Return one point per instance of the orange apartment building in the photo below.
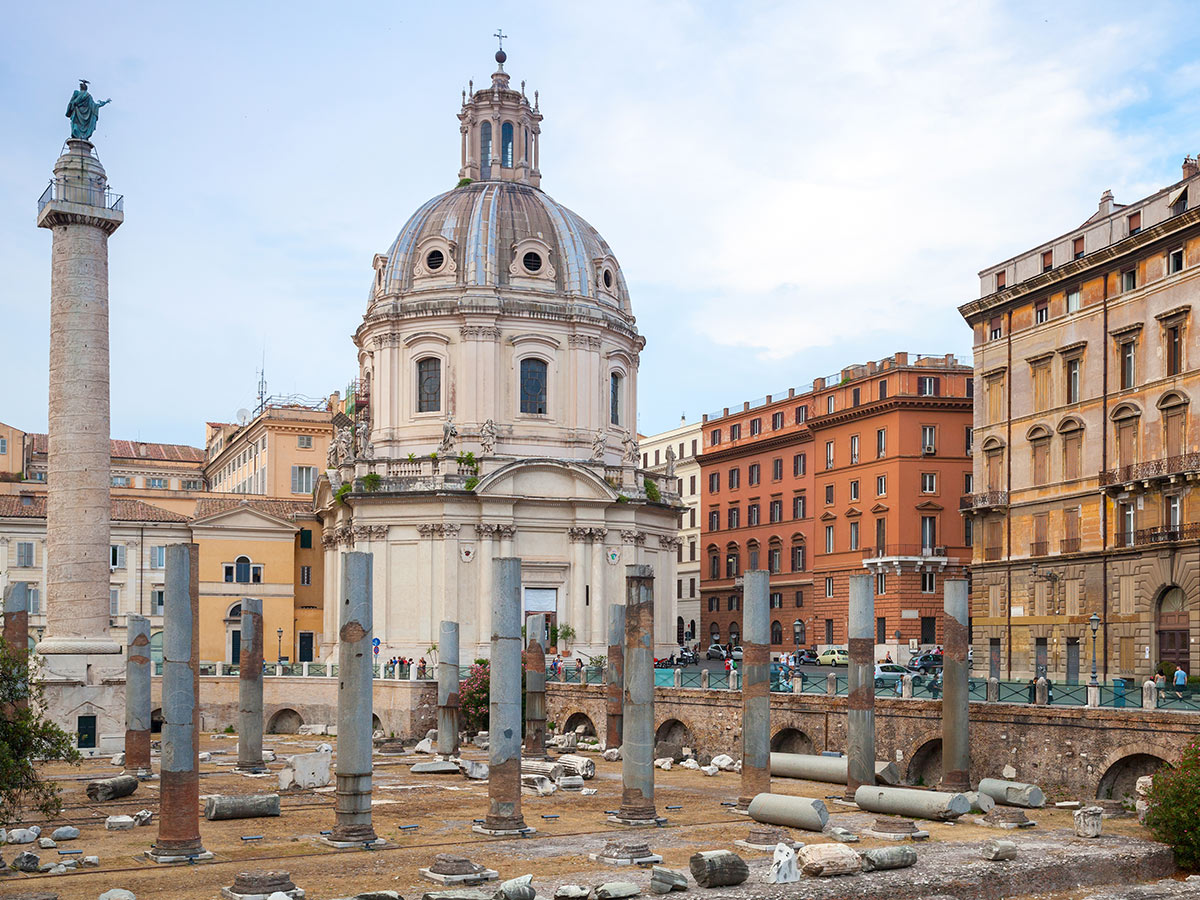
(871, 463)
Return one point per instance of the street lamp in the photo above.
(1094, 621)
(279, 649)
(796, 626)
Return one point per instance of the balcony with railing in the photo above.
(1069, 545)
(1161, 534)
(993, 553)
(1039, 548)
(1152, 470)
(983, 500)
(83, 194)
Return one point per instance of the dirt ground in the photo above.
(1052, 862)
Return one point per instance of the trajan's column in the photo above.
(84, 669)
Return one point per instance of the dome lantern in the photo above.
(500, 132)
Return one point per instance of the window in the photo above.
(692, 521)
(1047, 260)
(1125, 352)
(714, 520)
(968, 482)
(3, 446)
(853, 535)
(883, 390)
(753, 474)
(1172, 512)
(828, 494)
(114, 601)
(1179, 207)
(995, 398)
(929, 386)
(1041, 313)
(485, 149)
(801, 414)
(755, 427)
(880, 583)
(733, 604)
(1129, 280)
(928, 482)
(306, 575)
(856, 397)
(853, 490)
(714, 437)
(776, 421)
(735, 479)
(304, 441)
(881, 629)
(880, 485)
(116, 556)
(734, 517)
(799, 605)
(928, 532)
(995, 330)
(799, 506)
(714, 566)
(158, 557)
(25, 554)
(1073, 380)
(799, 464)
(731, 569)
(194, 484)
(968, 531)
(777, 469)
(776, 628)
(881, 536)
(775, 562)
(928, 439)
(714, 482)
(776, 513)
(1135, 222)
(614, 400)
(692, 589)
(303, 479)
(120, 481)
(429, 385)
(881, 443)
(928, 582)
(828, 538)
(692, 485)
(1040, 375)
(829, 622)
(752, 514)
(735, 431)
(1077, 248)
(1174, 340)
(157, 597)
(506, 145)
(157, 483)
(853, 449)
(798, 560)
(533, 386)
(1001, 280)
(1073, 300)
(829, 454)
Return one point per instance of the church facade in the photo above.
(496, 412)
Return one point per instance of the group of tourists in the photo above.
(397, 664)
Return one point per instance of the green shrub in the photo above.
(1174, 813)
(229, 729)
(463, 182)
(345, 489)
(472, 482)
(652, 492)
(371, 481)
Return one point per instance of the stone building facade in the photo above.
(278, 452)
(1086, 363)
(499, 352)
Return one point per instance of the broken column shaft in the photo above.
(956, 750)
(250, 688)
(179, 791)
(137, 696)
(756, 688)
(860, 705)
(615, 670)
(535, 689)
(504, 706)
(447, 742)
(637, 744)
(352, 823)
(16, 624)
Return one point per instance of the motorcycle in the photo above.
(688, 657)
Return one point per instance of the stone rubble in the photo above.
(65, 833)
(1089, 821)
(142, 817)
(46, 844)
(520, 888)
(571, 892)
(723, 761)
(664, 763)
(830, 859)
(663, 881)
(26, 861)
(888, 858)
(784, 868)
(119, 823)
(612, 754)
(615, 890)
(998, 851)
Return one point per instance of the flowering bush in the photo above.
(1174, 813)
(473, 695)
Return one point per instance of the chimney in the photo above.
(1190, 167)
(1106, 203)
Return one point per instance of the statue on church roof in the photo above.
(487, 437)
(84, 112)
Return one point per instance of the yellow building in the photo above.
(277, 453)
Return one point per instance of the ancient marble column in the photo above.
(82, 663)
(504, 707)
(448, 688)
(615, 672)
(637, 745)
(250, 688)
(179, 790)
(137, 696)
(756, 687)
(860, 704)
(352, 812)
(535, 688)
(956, 673)
(16, 623)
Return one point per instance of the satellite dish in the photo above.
(243, 416)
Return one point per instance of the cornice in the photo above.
(889, 404)
(722, 452)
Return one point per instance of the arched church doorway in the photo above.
(233, 634)
(1173, 631)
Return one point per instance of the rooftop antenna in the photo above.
(243, 416)
(262, 382)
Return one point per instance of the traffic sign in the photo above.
(375, 642)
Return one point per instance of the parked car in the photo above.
(888, 674)
(806, 658)
(737, 652)
(715, 651)
(925, 663)
(833, 656)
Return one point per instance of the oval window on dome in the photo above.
(608, 278)
(532, 261)
(434, 260)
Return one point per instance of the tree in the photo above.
(27, 736)
(1174, 811)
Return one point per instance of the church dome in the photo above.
(502, 235)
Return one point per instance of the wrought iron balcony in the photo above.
(993, 553)
(1152, 469)
(984, 500)
(1039, 548)
(1069, 545)
(1161, 534)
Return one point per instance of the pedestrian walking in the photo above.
(1180, 680)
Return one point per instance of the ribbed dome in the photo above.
(488, 229)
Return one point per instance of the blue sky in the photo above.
(789, 187)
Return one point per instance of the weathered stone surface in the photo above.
(142, 817)
(425, 745)
(724, 762)
(718, 868)
(674, 752)
(574, 764)
(90, 862)
(629, 849)
(538, 784)
(571, 892)
(26, 861)
(242, 806)
(46, 844)
(435, 767)
(570, 783)
(784, 867)
(1005, 817)
(829, 859)
(689, 764)
(1089, 821)
(614, 890)
(888, 858)
(520, 888)
(117, 894)
(663, 881)
(307, 770)
(843, 835)
(450, 864)
(709, 770)
(119, 823)
(476, 771)
(24, 835)
(664, 763)
(65, 833)
(262, 881)
(612, 754)
(999, 851)
(457, 894)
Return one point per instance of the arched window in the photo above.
(714, 633)
(235, 611)
(241, 575)
(679, 633)
(533, 386)
(485, 150)
(691, 631)
(506, 145)
(614, 398)
(776, 633)
(429, 384)
(735, 633)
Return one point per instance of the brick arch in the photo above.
(914, 750)
(675, 729)
(1127, 751)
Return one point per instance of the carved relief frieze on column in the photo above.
(329, 539)
(479, 333)
(632, 536)
(667, 542)
(387, 339)
(506, 532)
(598, 534)
(439, 529)
(378, 532)
(578, 535)
(485, 529)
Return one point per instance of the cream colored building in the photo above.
(1086, 450)
(500, 354)
(683, 464)
(277, 453)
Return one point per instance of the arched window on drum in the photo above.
(506, 145)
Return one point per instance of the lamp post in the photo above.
(796, 626)
(279, 646)
(1094, 621)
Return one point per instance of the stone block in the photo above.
(519, 888)
(724, 762)
(663, 881)
(435, 767)
(888, 858)
(307, 770)
(65, 833)
(571, 892)
(26, 861)
(112, 788)
(718, 868)
(829, 859)
(23, 835)
(999, 851)
(612, 754)
(476, 771)
(46, 844)
(1089, 821)
(784, 867)
(664, 763)
(119, 823)
(615, 890)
